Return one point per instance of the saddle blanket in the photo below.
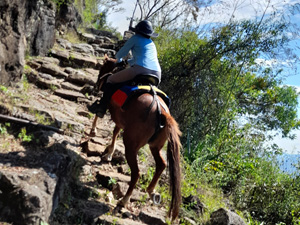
(123, 94)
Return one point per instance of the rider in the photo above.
(144, 62)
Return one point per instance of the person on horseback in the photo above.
(143, 62)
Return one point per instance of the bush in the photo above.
(245, 171)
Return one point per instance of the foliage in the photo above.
(60, 2)
(3, 128)
(72, 37)
(270, 195)
(167, 13)
(25, 83)
(94, 13)
(145, 179)
(235, 163)
(210, 79)
(3, 89)
(23, 135)
(226, 102)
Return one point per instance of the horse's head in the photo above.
(108, 66)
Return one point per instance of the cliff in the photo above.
(27, 28)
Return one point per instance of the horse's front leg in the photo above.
(132, 162)
(111, 148)
(93, 131)
(131, 150)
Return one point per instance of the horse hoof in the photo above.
(121, 203)
(156, 198)
(107, 157)
(93, 133)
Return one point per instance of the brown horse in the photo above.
(139, 123)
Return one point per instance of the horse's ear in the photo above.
(105, 56)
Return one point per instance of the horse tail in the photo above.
(173, 157)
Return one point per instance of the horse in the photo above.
(139, 124)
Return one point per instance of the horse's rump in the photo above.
(139, 113)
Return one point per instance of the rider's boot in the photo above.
(99, 107)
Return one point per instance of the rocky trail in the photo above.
(58, 177)
(51, 171)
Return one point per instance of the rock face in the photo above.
(25, 26)
(68, 17)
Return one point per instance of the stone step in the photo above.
(80, 77)
(153, 215)
(75, 59)
(53, 70)
(68, 94)
(119, 191)
(51, 76)
(107, 178)
(112, 220)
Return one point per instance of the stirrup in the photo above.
(100, 114)
(93, 108)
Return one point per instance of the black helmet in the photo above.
(144, 27)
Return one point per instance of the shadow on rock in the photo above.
(37, 177)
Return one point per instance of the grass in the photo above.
(73, 38)
(8, 142)
(24, 136)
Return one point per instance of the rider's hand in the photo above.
(121, 64)
(112, 60)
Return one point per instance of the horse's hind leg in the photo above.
(111, 148)
(160, 166)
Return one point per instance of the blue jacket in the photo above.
(143, 51)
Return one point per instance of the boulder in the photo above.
(119, 190)
(64, 43)
(107, 179)
(62, 55)
(70, 86)
(153, 215)
(225, 217)
(109, 220)
(33, 181)
(26, 196)
(43, 80)
(193, 203)
(92, 149)
(100, 52)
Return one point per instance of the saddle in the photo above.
(139, 85)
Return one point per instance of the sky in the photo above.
(244, 9)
